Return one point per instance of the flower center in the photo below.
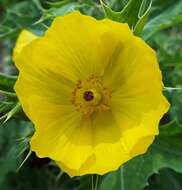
(90, 96)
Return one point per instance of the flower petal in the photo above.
(74, 42)
(108, 149)
(136, 105)
(109, 156)
(24, 39)
(106, 158)
(60, 133)
(138, 138)
(133, 71)
(77, 44)
(39, 80)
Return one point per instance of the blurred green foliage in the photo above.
(160, 168)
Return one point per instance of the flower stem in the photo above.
(95, 182)
(92, 181)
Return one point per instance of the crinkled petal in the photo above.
(132, 142)
(108, 149)
(107, 157)
(138, 138)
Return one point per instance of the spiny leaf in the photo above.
(25, 159)
(143, 16)
(10, 149)
(11, 113)
(57, 11)
(135, 13)
(8, 94)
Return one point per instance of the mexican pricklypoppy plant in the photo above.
(93, 91)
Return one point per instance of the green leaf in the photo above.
(166, 179)
(40, 174)
(165, 152)
(5, 106)
(176, 109)
(170, 17)
(13, 143)
(24, 12)
(29, 178)
(7, 82)
(135, 13)
(8, 94)
(171, 129)
(59, 4)
(85, 183)
(60, 10)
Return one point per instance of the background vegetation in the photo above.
(160, 168)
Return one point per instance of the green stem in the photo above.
(92, 181)
(96, 183)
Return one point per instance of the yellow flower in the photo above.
(93, 91)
